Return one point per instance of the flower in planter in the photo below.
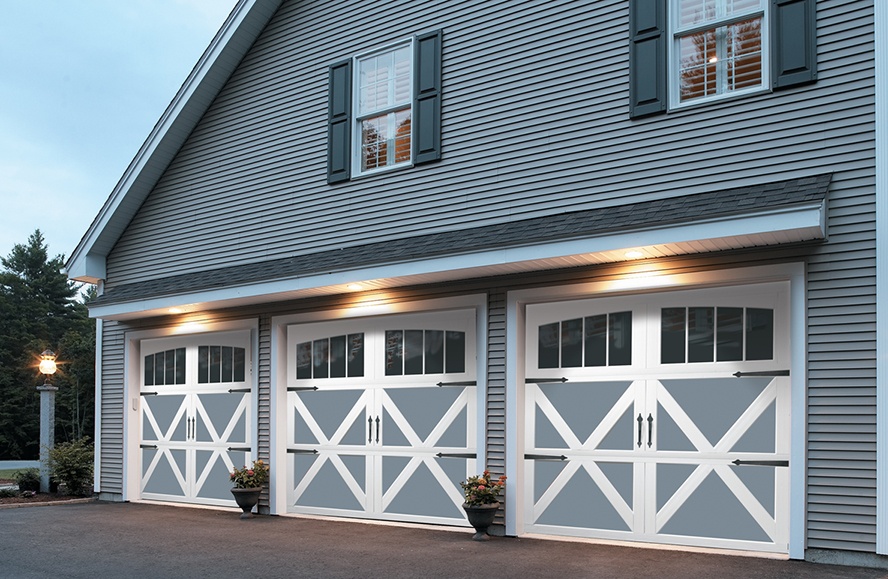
(250, 477)
(481, 489)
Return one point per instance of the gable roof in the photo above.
(779, 212)
(240, 30)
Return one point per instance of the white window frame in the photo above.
(357, 140)
(676, 32)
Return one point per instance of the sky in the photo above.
(83, 82)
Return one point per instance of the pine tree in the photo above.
(39, 309)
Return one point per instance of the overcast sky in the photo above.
(83, 82)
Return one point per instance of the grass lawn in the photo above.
(8, 473)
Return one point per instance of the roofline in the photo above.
(224, 53)
(803, 222)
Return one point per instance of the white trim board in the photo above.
(516, 303)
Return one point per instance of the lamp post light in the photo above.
(47, 416)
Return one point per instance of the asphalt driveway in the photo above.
(107, 540)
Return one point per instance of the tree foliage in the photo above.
(40, 309)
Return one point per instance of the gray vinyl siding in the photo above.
(535, 122)
(263, 404)
(111, 428)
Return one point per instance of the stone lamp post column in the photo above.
(47, 416)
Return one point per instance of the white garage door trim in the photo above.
(635, 282)
(281, 368)
(132, 406)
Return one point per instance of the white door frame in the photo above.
(363, 309)
(132, 474)
(646, 278)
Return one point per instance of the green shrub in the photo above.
(8, 493)
(71, 464)
(28, 479)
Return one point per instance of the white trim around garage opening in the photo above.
(279, 324)
(132, 380)
(794, 273)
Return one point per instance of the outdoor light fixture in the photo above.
(47, 363)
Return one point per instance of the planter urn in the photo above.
(481, 517)
(246, 499)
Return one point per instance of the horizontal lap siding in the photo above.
(841, 493)
(111, 409)
(535, 122)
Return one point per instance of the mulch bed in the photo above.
(39, 498)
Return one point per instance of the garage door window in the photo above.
(220, 364)
(414, 352)
(601, 340)
(333, 357)
(722, 334)
(167, 367)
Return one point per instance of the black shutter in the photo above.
(427, 98)
(339, 123)
(793, 43)
(647, 57)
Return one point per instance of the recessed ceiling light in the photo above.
(175, 310)
(634, 254)
(354, 287)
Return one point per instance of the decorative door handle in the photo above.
(640, 422)
(377, 430)
(650, 430)
(369, 430)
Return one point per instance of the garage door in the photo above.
(382, 416)
(197, 417)
(661, 418)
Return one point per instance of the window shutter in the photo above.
(647, 57)
(339, 123)
(793, 43)
(427, 98)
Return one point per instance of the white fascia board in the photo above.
(805, 222)
(237, 34)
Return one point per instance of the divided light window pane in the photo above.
(413, 352)
(547, 345)
(701, 334)
(596, 340)
(729, 345)
(434, 351)
(759, 334)
(572, 343)
(672, 336)
(337, 357)
(455, 352)
(620, 339)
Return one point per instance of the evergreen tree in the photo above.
(40, 309)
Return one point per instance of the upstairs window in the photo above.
(718, 48)
(705, 50)
(384, 105)
(384, 109)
